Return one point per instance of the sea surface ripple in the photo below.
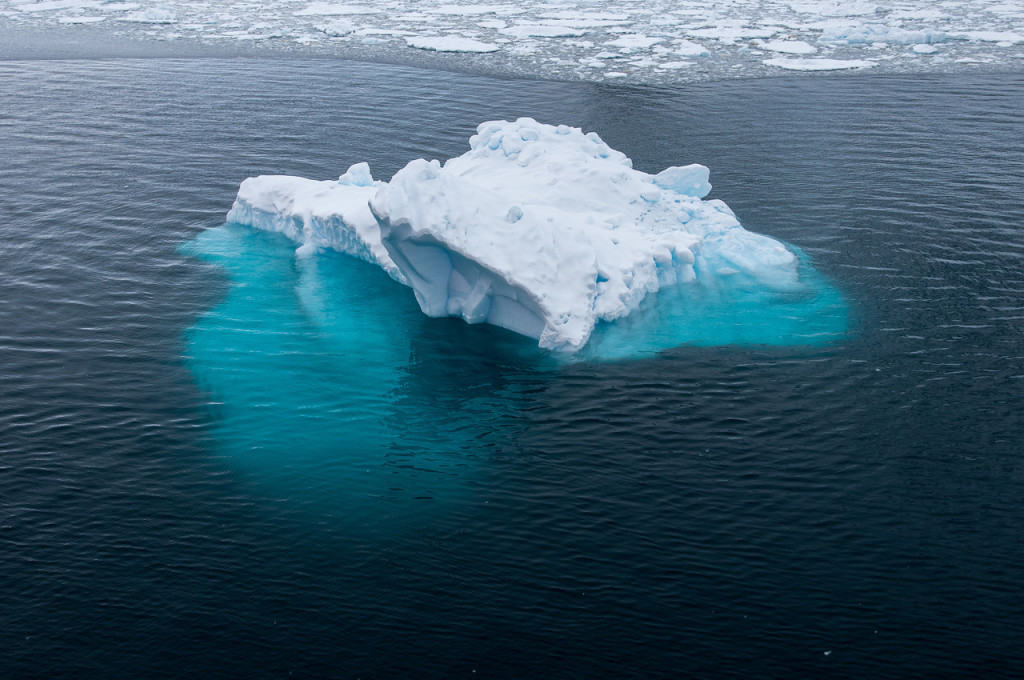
(851, 510)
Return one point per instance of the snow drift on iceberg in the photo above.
(542, 230)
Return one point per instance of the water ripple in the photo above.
(707, 512)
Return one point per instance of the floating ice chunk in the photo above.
(789, 46)
(835, 8)
(337, 27)
(925, 49)
(539, 229)
(470, 10)
(81, 20)
(795, 64)
(995, 36)
(546, 231)
(687, 180)
(330, 9)
(729, 32)
(688, 48)
(155, 15)
(357, 176)
(572, 15)
(450, 43)
(635, 41)
(52, 5)
(675, 65)
(119, 6)
(542, 31)
(873, 32)
(317, 214)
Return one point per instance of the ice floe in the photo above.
(811, 64)
(570, 38)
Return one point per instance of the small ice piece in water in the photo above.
(542, 31)
(688, 48)
(330, 9)
(337, 27)
(450, 43)
(813, 64)
(789, 46)
(688, 180)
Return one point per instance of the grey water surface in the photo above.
(198, 479)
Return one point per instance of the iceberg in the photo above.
(317, 214)
(543, 230)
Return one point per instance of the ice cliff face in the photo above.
(542, 230)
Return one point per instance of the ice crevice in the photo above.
(540, 229)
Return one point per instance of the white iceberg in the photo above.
(542, 230)
(317, 214)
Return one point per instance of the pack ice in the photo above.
(539, 229)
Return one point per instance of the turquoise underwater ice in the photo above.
(324, 375)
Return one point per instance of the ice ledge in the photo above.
(317, 214)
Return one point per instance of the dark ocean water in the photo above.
(231, 465)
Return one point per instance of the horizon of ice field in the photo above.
(649, 42)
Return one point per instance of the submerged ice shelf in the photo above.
(543, 230)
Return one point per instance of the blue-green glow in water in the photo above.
(325, 374)
(323, 377)
(718, 312)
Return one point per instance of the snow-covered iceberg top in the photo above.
(540, 229)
